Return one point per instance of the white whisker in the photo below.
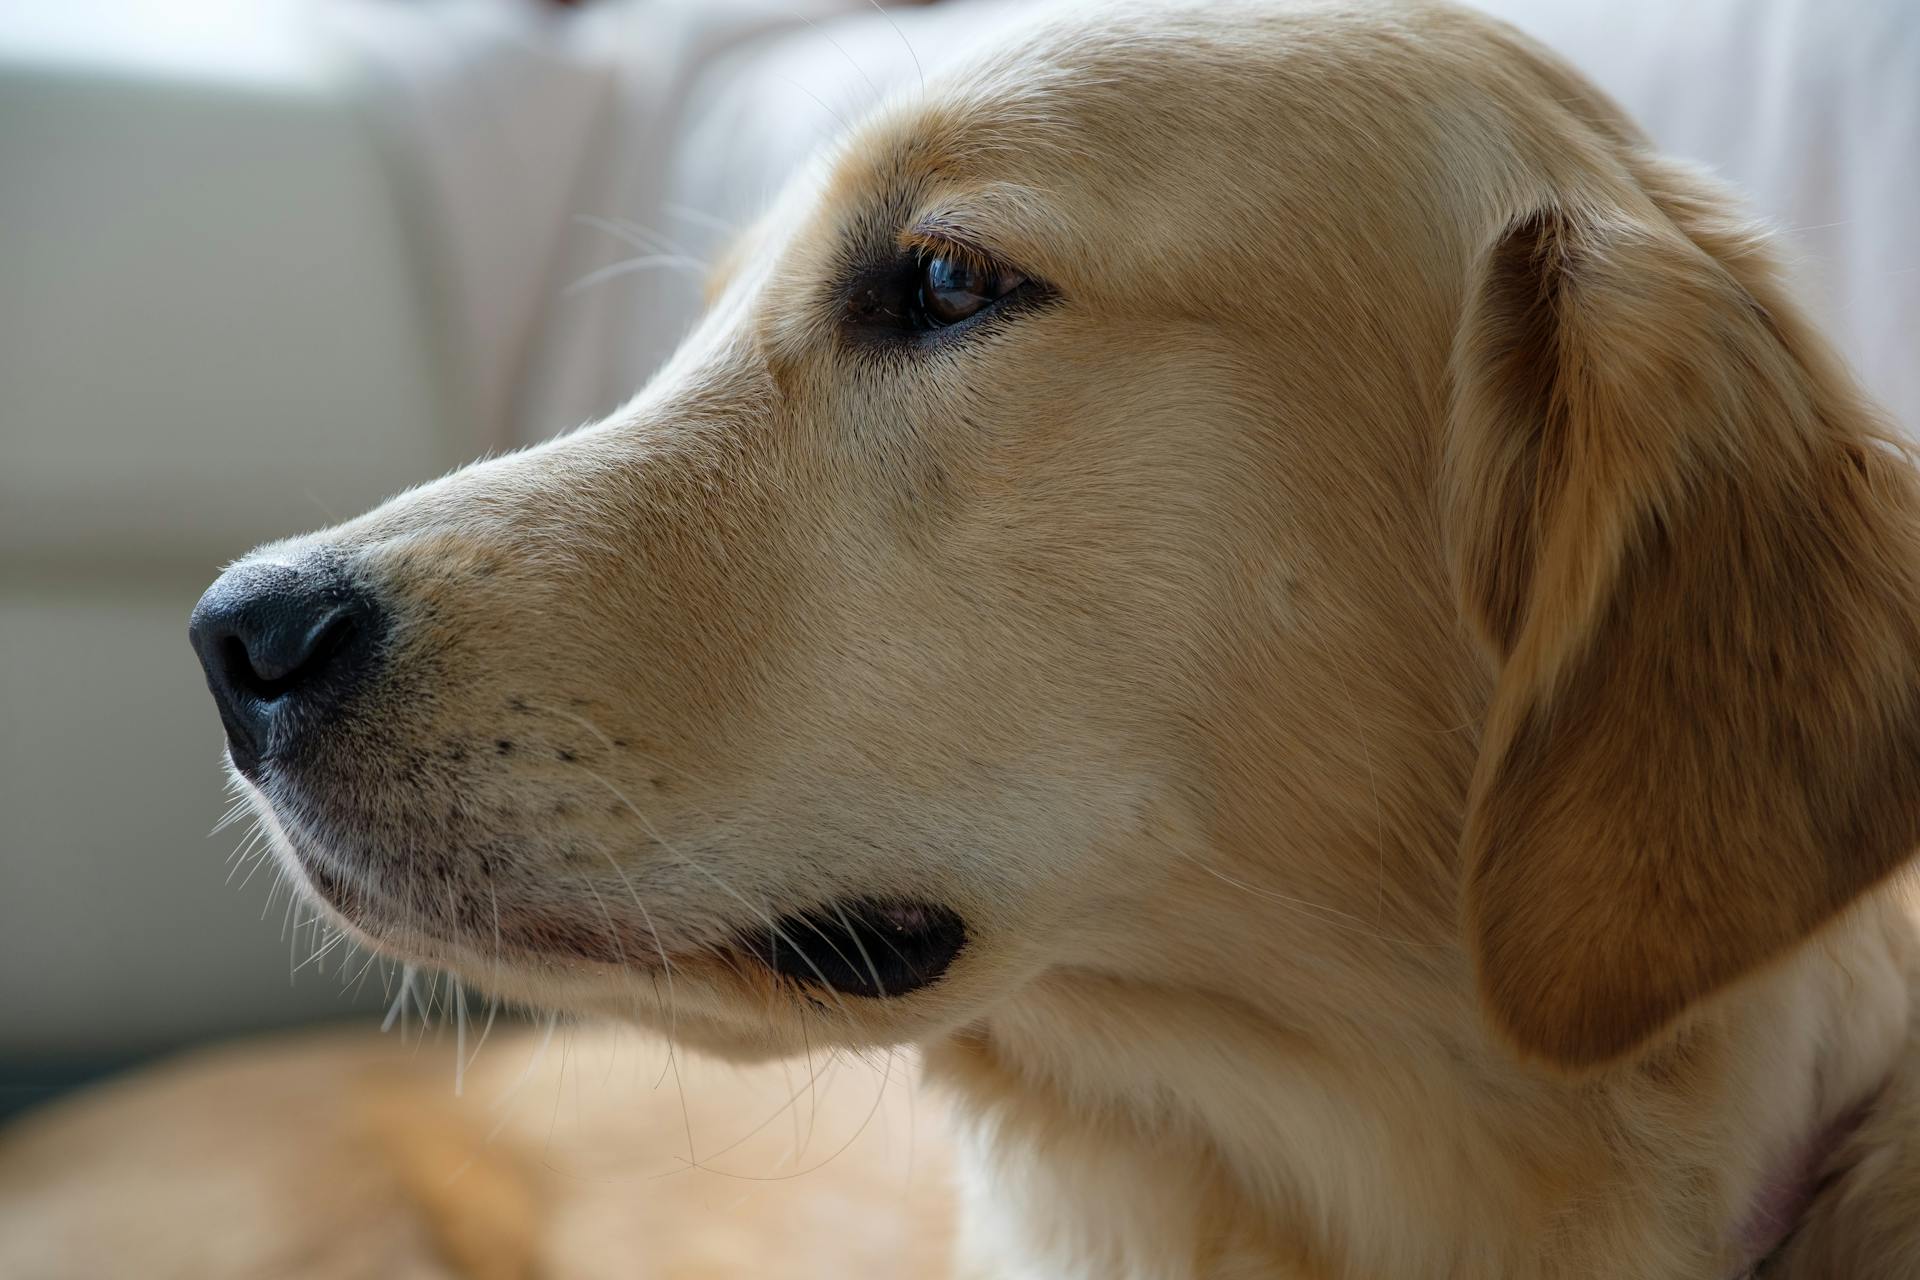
(917, 68)
(699, 217)
(459, 1038)
(645, 262)
(398, 1009)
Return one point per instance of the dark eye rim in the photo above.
(883, 303)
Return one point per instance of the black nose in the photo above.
(283, 646)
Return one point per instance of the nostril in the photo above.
(280, 660)
(237, 666)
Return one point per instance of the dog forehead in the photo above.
(1154, 125)
(1207, 161)
(1137, 74)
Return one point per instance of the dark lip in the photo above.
(873, 948)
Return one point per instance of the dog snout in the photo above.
(283, 646)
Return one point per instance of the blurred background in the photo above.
(264, 262)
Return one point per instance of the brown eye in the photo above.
(951, 289)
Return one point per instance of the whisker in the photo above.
(459, 1037)
(232, 815)
(841, 50)
(398, 1009)
(263, 857)
(359, 979)
(873, 970)
(249, 853)
(879, 1096)
(765, 915)
(321, 953)
(644, 238)
(837, 117)
(775, 1115)
(699, 217)
(502, 1103)
(628, 266)
(493, 1001)
(813, 1094)
(917, 68)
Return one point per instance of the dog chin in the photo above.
(681, 1003)
(725, 1006)
(849, 972)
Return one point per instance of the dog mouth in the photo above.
(868, 948)
(864, 947)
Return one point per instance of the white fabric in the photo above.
(509, 124)
(743, 116)
(485, 110)
(1812, 108)
(715, 106)
(263, 262)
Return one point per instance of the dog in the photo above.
(559, 1153)
(1267, 584)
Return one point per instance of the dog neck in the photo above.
(1786, 1196)
(1119, 1126)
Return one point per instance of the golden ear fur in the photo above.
(1692, 557)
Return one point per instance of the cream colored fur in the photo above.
(1404, 663)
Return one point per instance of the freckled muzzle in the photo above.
(494, 737)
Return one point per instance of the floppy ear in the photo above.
(1692, 559)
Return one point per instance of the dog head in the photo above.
(1212, 460)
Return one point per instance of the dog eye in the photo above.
(953, 288)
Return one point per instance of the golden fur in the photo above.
(344, 1155)
(1406, 662)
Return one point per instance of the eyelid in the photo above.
(942, 241)
(882, 296)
